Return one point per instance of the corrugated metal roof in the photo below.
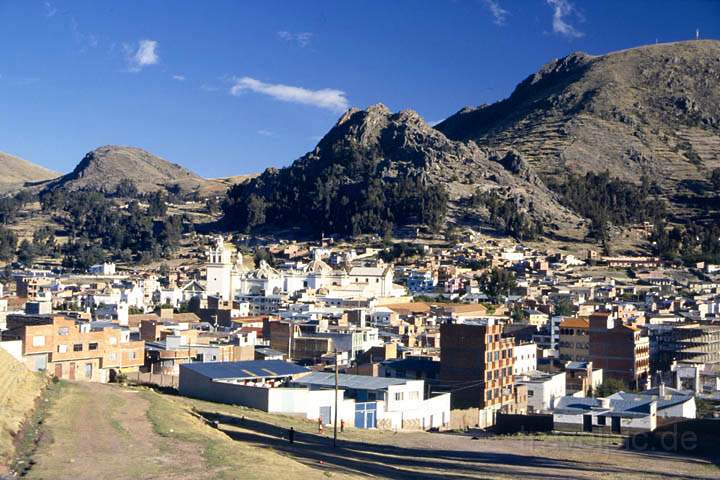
(354, 382)
(245, 370)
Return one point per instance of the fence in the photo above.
(512, 423)
(149, 378)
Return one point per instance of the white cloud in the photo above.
(561, 10)
(266, 133)
(179, 78)
(327, 98)
(301, 38)
(50, 10)
(497, 11)
(144, 55)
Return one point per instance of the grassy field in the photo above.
(93, 431)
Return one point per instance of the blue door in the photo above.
(365, 415)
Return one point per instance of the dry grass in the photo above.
(19, 389)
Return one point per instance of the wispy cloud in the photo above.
(561, 10)
(327, 98)
(179, 78)
(266, 133)
(144, 55)
(497, 11)
(302, 39)
(50, 9)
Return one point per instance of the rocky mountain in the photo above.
(376, 168)
(652, 110)
(105, 167)
(648, 116)
(16, 172)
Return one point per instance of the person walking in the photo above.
(291, 435)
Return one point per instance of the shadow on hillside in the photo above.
(399, 462)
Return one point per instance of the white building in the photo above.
(544, 389)
(525, 358)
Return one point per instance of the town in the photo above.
(471, 335)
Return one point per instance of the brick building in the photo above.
(477, 364)
(620, 350)
(77, 350)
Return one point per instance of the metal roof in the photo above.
(245, 370)
(350, 382)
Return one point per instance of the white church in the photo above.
(228, 278)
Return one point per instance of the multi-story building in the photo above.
(620, 350)
(683, 343)
(76, 350)
(478, 364)
(525, 358)
(574, 344)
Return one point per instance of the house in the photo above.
(574, 344)
(282, 387)
(543, 389)
(388, 403)
(671, 403)
(605, 415)
(78, 350)
(619, 349)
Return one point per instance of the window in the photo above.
(489, 375)
(489, 395)
(92, 346)
(413, 395)
(132, 355)
(490, 338)
(398, 396)
(62, 348)
(601, 420)
(530, 393)
(63, 331)
(112, 356)
(77, 347)
(38, 341)
(112, 340)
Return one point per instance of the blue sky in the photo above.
(231, 87)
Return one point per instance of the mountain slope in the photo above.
(16, 172)
(105, 167)
(376, 168)
(652, 110)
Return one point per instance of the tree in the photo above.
(715, 179)
(610, 386)
(26, 252)
(564, 308)
(8, 242)
(126, 188)
(497, 283)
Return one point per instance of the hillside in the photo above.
(652, 110)
(16, 172)
(105, 167)
(19, 388)
(376, 169)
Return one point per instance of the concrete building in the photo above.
(605, 415)
(524, 358)
(543, 389)
(683, 343)
(574, 344)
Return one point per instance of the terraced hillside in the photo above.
(652, 110)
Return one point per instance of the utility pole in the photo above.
(335, 421)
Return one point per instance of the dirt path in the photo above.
(94, 431)
(103, 432)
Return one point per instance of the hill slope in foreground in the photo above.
(16, 172)
(19, 388)
(96, 431)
